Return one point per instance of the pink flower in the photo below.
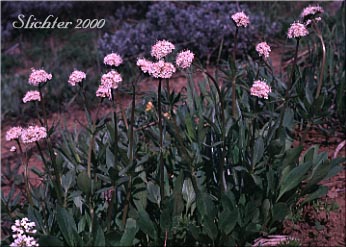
(113, 59)
(76, 77)
(39, 76)
(13, 149)
(162, 69)
(32, 96)
(311, 11)
(241, 19)
(161, 49)
(297, 30)
(20, 230)
(103, 92)
(111, 79)
(260, 89)
(144, 64)
(13, 133)
(33, 134)
(263, 49)
(184, 59)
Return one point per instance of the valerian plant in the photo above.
(212, 166)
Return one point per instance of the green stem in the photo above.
(234, 90)
(289, 84)
(26, 173)
(131, 153)
(127, 201)
(320, 82)
(51, 152)
(222, 181)
(254, 132)
(162, 172)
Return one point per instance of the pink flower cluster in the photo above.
(33, 134)
(184, 59)
(144, 64)
(263, 49)
(104, 92)
(39, 76)
(113, 59)
(20, 230)
(32, 96)
(241, 19)
(108, 81)
(76, 77)
(297, 30)
(111, 79)
(311, 11)
(161, 49)
(162, 69)
(13, 133)
(260, 89)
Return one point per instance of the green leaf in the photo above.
(98, 235)
(50, 241)
(288, 118)
(84, 182)
(209, 227)
(280, 211)
(205, 205)
(67, 227)
(228, 220)
(130, 232)
(292, 156)
(318, 173)
(321, 191)
(265, 208)
(293, 178)
(188, 192)
(177, 195)
(153, 193)
(258, 151)
(146, 224)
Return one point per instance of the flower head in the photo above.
(113, 59)
(161, 49)
(162, 69)
(260, 89)
(13, 149)
(76, 77)
(311, 11)
(32, 96)
(13, 133)
(241, 19)
(144, 64)
(104, 92)
(39, 76)
(297, 30)
(33, 134)
(20, 229)
(184, 59)
(111, 79)
(263, 49)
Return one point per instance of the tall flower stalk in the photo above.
(240, 19)
(39, 78)
(162, 167)
(131, 156)
(320, 81)
(296, 31)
